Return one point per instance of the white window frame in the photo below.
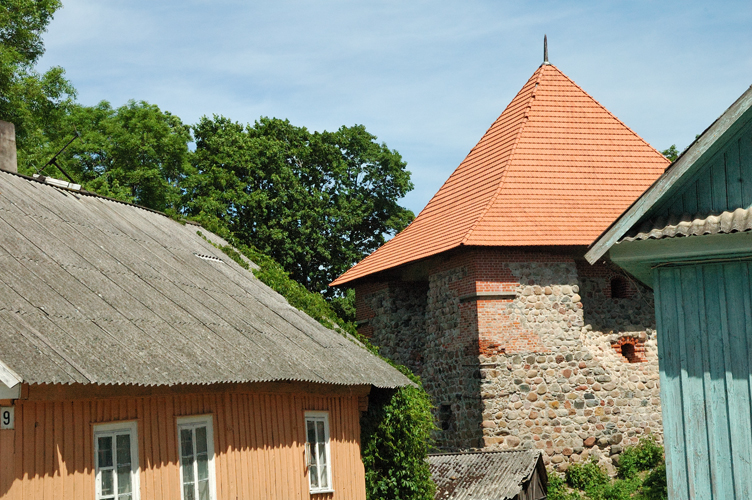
(191, 423)
(319, 416)
(112, 429)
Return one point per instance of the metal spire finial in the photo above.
(545, 50)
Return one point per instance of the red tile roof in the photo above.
(556, 168)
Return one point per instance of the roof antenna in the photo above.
(545, 50)
(53, 160)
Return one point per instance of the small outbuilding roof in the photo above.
(556, 168)
(488, 475)
(95, 291)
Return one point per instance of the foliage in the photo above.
(671, 153)
(396, 433)
(396, 429)
(655, 485)
(585, 476)
(642, 474)
(34, 102)
(557, 489)
(315, 202)
(645, 456)
(135, 153)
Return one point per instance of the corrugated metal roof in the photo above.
(556, 168)
(486, 475)
(739, 220)
(97, 291)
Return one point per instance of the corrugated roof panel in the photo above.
(96, 291)
(489, 475)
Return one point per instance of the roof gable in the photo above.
(97, 291)
(712, 177)
(554, 169)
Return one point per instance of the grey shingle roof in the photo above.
(740, 220)
(489, 475)
(96, 291)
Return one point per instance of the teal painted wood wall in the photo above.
(722, 183)
(704, 320)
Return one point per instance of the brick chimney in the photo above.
(8, 159)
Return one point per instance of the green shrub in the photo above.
(557, 489)
(586, 476)
(645, 456)
(655, 486)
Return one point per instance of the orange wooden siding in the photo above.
(259, 442)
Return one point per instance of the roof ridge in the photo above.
(606, 110)
(525, 119)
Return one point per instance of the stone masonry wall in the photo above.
(540, 365)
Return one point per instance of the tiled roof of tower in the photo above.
(556, 168)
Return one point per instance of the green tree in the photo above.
(671, 153)
(316, 202)
(135, 153)
(34, 102)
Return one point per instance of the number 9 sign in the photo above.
(6, 417)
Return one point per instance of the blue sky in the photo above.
(427, 78)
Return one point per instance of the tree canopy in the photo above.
(316, 202)
(34, 102)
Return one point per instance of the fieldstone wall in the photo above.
(538, 366)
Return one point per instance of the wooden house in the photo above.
(689, 237)
(138, 361)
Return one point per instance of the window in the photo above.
(318, 457)
(116, 461)
(196, 442)
(619, 288)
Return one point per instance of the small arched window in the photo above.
(619, 287)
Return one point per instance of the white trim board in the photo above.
(8, 376)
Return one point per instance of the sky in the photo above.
(427, 78)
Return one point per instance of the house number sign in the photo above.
(6, 417)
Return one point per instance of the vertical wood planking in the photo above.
(745, 165)
(259, 445)
(693, 408)
(738, 372)
(733, 175)
(670, 370)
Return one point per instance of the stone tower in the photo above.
(487, 297)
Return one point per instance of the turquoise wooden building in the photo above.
(689, 237)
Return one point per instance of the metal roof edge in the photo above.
(673, 173)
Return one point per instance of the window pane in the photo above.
(203, 490)
(200, 440)
(324, 477)
(314, 476)
(202, 461)
(320, 431)
(188, 470)
(125, 497)
(124, 479)
(124, 450)
(311, 432)
(105, 451)
(186, 443)
(322, 454)
(108, 488)
(188, 492)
